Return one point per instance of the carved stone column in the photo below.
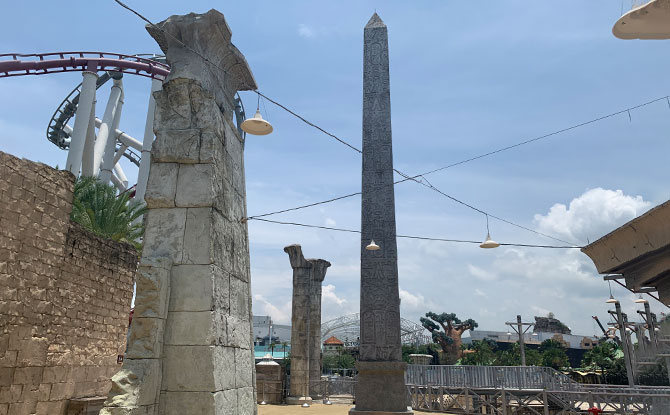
(190, 349)
(308, 274)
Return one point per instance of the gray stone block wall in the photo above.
(190, 348)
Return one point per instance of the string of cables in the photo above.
(419, 178)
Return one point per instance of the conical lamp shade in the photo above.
(372, 246)
(256, 125)
(640, 300)
(611, 300)
(489, 243)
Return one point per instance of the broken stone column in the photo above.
(190, 349)
(308, 274)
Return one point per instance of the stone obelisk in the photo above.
(381, 382)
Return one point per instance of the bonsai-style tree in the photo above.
(447, 330)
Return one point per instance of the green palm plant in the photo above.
(98, 208)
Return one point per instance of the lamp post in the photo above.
(518, 327)
(650, 320)
(625, 339)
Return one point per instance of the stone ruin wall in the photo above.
(64, 294)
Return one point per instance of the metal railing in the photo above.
(505, 401)
(510, 377)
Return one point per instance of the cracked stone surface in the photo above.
(190, 349)
(308, 274)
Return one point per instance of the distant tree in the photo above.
(447, 330)
(512, 356)
(553, 354)
(342, 361)
(480, 353)
(601, 357)
(97, 207)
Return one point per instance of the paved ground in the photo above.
(315, 409)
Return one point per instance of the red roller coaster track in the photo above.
(14, 64)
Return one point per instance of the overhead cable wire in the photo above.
(424, 238)
(499, 150)
(406, 177)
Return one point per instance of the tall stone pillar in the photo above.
(190, 349)
(381, 383)
(308, 274)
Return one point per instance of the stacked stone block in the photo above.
(190, 348)
(308, 276)
(64, 294)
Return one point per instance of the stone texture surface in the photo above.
(191, 352)
(64, 294)
(378, 389)
(308, 274)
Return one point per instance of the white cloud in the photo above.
(330, 222)
(591, 215)
(481, 274)
(407, 299)
(281, 314)
(305, 31)
(328, 295)
(480, 293)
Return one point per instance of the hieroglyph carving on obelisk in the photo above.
(381, 384)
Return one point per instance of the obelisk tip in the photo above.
(375, 21)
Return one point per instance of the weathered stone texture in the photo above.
(193, 285)
(381, 383)
(308, 274)
(64, 294)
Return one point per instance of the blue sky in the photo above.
(466, 78)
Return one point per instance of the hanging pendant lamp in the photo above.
(372, 246)
(640, 300)
(488, 243)
(256, 125)
(612, 300)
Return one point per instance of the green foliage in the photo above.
(656, 375)
(342, 361)
(98, 208)
(553, 354)
(512, 356)
(601, 357)
(482, 353)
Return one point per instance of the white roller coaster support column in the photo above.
(118, 184)
(143, 173)
(81, 121)
(118, 170)
(119, 153)
(122, 137)
(87, 157)
(108, 158)
(101, 143)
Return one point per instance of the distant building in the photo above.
(264, 330)
(575, 345)
(332, 346)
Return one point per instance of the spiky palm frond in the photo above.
(97, 207)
